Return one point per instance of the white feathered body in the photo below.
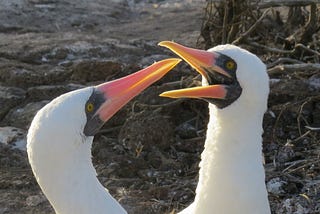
(61, 158)
(231, 176)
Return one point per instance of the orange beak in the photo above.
(119, 92)
(203, 62)
(198, 59)
(211, 91)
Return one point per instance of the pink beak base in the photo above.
(119, 92)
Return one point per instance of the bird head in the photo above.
(106, 99)
(60, 138)
(78, 114)
(230, 75)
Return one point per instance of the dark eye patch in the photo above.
(94, 102)
(94, 123)
(226, 63)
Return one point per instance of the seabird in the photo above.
(236, 86)
(60, 137)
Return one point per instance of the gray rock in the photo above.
(13, 136)
(32, 76)
(186, 131)
(148, 60)
(22, 117)
(35, 200)
(93, 70)
(50, 15)
(48, 92)
(143, 132)
(9, 98)
(292, 205)
(79, 50)
(276, 186)
(286, 153)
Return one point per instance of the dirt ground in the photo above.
(147, 155)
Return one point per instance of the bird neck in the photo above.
(69, 181)
(231, 163)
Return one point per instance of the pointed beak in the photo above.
(202, 61)
(119, 92)
(211, 91)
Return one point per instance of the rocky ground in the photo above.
(147, 155)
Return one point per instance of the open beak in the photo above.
(200, 60)
(204, 62)
(119, 92)
(205, 92)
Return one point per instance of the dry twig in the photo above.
(290, 3)
(251, 29)
(294, 67)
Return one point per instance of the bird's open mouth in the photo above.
(219, 71)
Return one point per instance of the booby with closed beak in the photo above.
(60, 137)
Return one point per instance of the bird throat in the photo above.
(231, 176)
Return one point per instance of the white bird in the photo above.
(236, 85)
(60, 137)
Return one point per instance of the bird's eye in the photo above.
(230, 65)
(90, 107)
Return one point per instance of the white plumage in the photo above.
(60, 138)
(60, 156)
(231, 176)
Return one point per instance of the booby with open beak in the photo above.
(60, 137)
(236, 86)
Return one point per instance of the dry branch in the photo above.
(312, 128)
(280, 3)
(290, 3)
(283, 60)
(294, 67)
(307, 49)
(270, 49)
(251, 29)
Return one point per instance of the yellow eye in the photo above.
(230, 65)
(90, 107)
